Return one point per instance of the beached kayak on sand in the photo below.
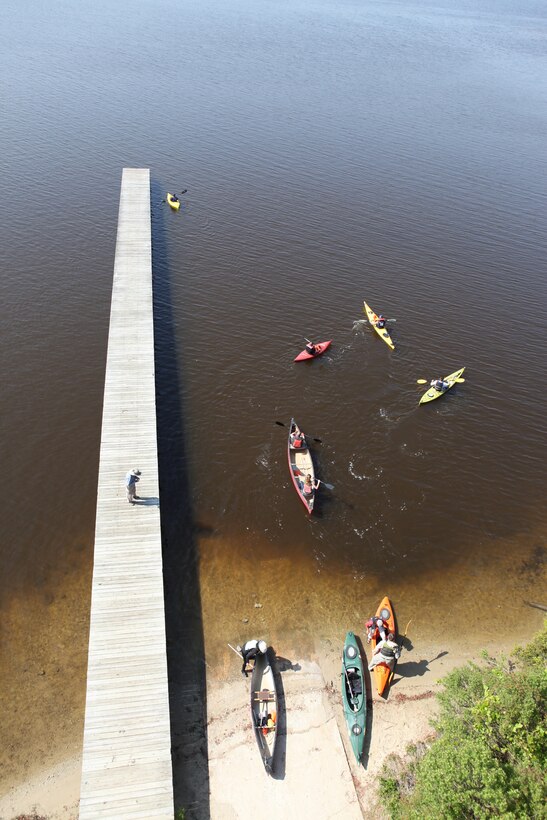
(382, 672)
(354, 695)
(381, 331)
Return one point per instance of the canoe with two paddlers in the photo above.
(354, 698)
(381, 331)
(301, 466)
(433, 393)
(264, 708)
(382, 671)
(318, 350)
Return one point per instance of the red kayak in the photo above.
(320, 348)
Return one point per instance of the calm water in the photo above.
(333, 152)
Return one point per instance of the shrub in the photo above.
(488, 756)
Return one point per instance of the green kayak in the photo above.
(354, 698)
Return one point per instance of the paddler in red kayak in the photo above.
(311, 349)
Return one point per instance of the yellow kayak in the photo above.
(432, 393)
(381, 331)
(173, 201)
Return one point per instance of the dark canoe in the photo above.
(301, 465)
(382, 672)
(354, 698)
(264, 708)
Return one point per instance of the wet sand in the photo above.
(316, 771)
(302, 612)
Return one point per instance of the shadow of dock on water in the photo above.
(184, 627)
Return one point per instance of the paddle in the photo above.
(401, 647)
(424, 381)
(349, 685)
(183, 192)
(239, 655)
(318, 440)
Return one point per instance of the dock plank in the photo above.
(126, 766)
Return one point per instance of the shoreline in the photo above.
(316, 733)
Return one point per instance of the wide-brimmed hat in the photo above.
(136, 472)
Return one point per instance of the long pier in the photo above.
(126, 768)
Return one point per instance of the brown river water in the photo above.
(333, 152)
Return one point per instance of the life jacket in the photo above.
(387, 651)
(297, 442)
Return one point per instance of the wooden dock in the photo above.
(126, 768)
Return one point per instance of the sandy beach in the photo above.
(316, 773)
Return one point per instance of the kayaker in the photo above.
(376, 628)
(310, 485)
(440, 385)
(297, 439)
(380, 321)
(174, 198)
(311, 349)
(250, 651)
(386, 652)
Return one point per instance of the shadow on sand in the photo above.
(279, 762)
(414, 669)
(184, 627)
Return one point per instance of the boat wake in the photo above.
(263, 459)
(352, 471)
(417, 454)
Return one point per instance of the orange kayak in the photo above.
(382, 672)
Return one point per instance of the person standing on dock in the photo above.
(131, 485)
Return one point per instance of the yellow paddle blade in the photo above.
(460, 381)
(421, 381)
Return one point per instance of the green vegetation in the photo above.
(488, 756)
